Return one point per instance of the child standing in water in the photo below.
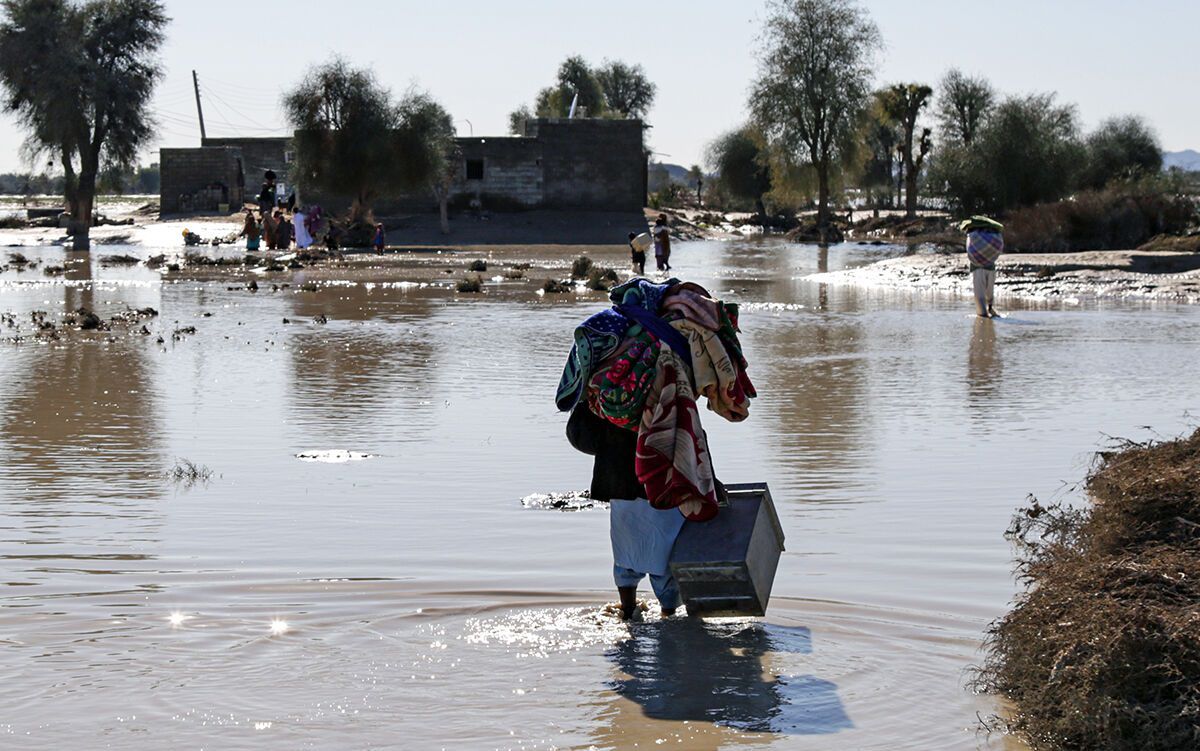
(638, 245)
(380, 239)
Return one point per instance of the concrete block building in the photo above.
(558, 163)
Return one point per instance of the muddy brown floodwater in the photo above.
(359, 571)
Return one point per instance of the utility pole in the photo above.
(199, 111)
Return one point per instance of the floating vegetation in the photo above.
(188, 472)
(478, 265)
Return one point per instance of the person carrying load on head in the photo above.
(985, 243)
(638, 245)
(631, 383)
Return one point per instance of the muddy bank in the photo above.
(1116, 274)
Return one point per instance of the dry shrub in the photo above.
(580, 267)
(601, 278)
(1117, 218)
(1102, 650)
(1188, 244)
(470, 284)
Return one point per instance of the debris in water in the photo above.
(333, 456)
(188, 472)
(575, 500)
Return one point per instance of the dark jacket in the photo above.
(613, 474)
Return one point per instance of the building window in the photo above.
(474, 169)
(289, 157)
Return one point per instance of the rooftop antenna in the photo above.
(199, 111)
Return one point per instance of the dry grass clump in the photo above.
(1102, 650)
(470, 284)
(580, 267)
(601, 278)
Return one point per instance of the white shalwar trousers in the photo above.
(984, 281)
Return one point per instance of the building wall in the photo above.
(512, 171)
(189, 172)
(259, 155)
(591, 164)
(569, 164)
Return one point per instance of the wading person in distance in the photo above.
(283, 232)
(985, 243)
(662, 243)
(638, 245)
(380, 239)
(250, 231)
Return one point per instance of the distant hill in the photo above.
(677, 172)
(1187, 160)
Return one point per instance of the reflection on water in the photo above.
(984, 366)
(83, 463)
(715, 672)
(896, 431)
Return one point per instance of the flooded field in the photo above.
(359, 571)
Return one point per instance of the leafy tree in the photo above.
(517, 118)
(345, 125)
(903, 103)
(696, 175)
(879, 138)
(574, 76)
(1028, 151)
(963, 105)
(814, 81)
(1121, 148)
(79, 76)
(740, 160)
(426, 139)
(627, 90)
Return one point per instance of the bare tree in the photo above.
(814, 81)
(963, 105)
(903, 103)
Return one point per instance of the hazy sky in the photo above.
(483, 58)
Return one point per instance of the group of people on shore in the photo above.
(660, 237)
(280, 224)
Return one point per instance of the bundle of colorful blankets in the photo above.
(642, 364)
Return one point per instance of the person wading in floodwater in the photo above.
(638, 245)
(662, 243)
(250, 231)
(631, 384)
(985, 243)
